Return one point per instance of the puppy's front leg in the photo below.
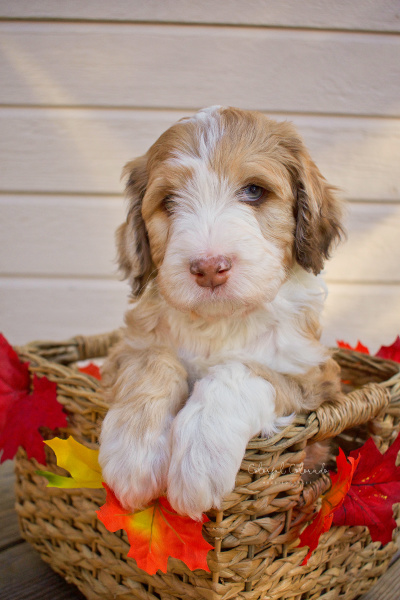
(146, 389)
(210, 433)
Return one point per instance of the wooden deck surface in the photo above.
(24, 576)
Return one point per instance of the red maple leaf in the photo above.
(359, 348)
(331, 501)
(156, 533)
(91, 369)
(391, 352)
(14, 378)
(373, 491)
(22, 412)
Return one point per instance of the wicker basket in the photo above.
(256, 534)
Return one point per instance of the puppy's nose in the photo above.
(211, 272)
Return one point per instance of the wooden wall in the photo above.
(87, 85)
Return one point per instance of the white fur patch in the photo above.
(203, 114)
(209, 132)
(210, 434)
(133, 465)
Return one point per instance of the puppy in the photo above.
(228, 227)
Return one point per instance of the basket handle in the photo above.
(93, 346)
(78, 348)
(350, 410)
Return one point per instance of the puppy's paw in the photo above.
(202, 469)
(135, 467)
(200, 481)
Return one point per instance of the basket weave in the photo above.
(256, 533)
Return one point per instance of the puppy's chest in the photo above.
(279, 346)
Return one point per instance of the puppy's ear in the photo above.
(133, 250)
(318, 215)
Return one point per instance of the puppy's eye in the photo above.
(168, 204)
(253, 193)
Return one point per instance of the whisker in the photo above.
(146, 282)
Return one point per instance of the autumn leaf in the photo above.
(374, 489)
(331, 501)
(91, 369)
(156, 533)
(14, 379)
(358, 348)
(23, 412)
(26, 414)
(390, 352)
(81, 462)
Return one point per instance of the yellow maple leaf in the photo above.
(81, 462)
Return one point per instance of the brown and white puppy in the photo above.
(228, 227)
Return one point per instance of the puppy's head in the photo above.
(221, 208)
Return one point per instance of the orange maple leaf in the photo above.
(331, 501)
(359, 348)
(91, 369)
(156, 533)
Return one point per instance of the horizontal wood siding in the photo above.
(128, 65)
(86, 86)
(369, 313)
(364, 15)
(56, 309)
(76, 235)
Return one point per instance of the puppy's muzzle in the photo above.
(211, 272)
